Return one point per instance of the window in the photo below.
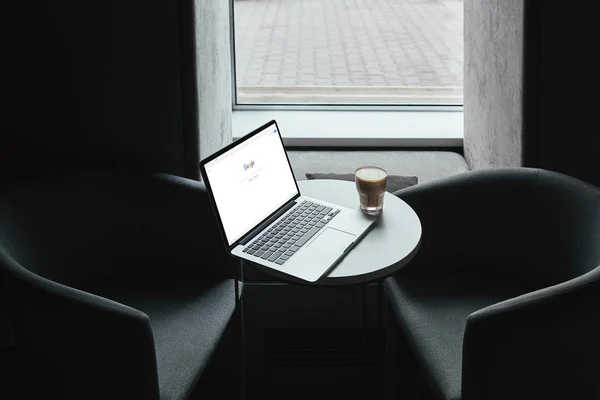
(372, 56)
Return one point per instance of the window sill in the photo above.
(360, 128)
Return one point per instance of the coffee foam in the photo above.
(371, 174)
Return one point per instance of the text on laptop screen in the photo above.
(250, 181)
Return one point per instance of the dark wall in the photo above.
(569, 138)
(531, 81)
(90, 82)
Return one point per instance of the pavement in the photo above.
(349, 51)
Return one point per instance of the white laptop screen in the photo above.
(250, 181)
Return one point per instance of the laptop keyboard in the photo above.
(284, 239)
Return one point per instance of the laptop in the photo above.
(265, 219)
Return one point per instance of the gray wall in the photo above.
(493, 75)
(569, 138)
(205, 38)
(214, 72)
(529, 74)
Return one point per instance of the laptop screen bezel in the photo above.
(224, 150)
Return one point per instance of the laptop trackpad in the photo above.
(331, 243)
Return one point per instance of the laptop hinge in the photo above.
(268, 222)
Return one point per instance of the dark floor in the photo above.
(316, 344)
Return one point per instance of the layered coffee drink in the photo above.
(371, 184)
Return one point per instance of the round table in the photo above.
(390, 244)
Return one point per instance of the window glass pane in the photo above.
(349, 51)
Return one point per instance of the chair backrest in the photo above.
(566, 220)
(58, 236)
(57, 227)
(544, 344)
(539, 226)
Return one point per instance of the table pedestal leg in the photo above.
(241, 336)
(381, 333)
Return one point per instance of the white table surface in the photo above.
(389, 245)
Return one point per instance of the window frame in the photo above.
(416, 138)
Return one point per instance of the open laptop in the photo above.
(265, 219)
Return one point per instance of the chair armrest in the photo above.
(542, 344)
(168, 222)
(77, 343)
(475, 215)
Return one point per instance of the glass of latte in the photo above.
(371, 183)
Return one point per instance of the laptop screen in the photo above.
(250, 181)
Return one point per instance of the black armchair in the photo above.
(113, 285)
(502, 301)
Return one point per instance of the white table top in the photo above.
(390, 244)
